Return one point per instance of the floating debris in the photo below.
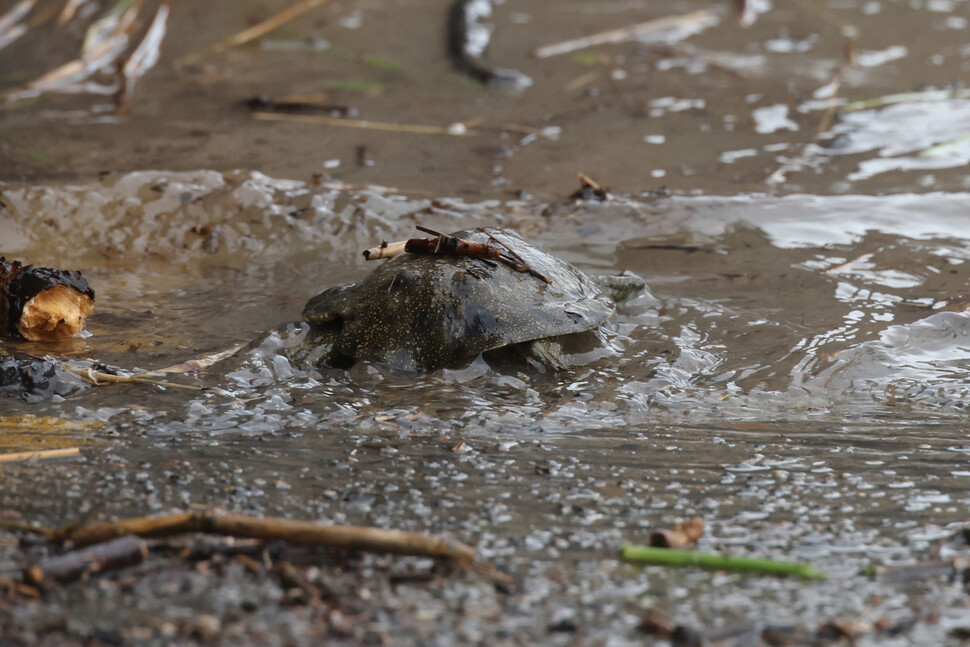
(35, 378)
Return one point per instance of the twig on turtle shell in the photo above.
(385, 250)
(445, 245)
(462, 247)
(520, 263)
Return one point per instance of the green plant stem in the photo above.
(672, 557)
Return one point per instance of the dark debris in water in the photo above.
(35, 378)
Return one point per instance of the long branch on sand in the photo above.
(39, 454)
(301, 532)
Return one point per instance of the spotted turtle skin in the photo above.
(421, 312)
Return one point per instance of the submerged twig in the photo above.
(256, 31)
(457, 130)
(100, 378)
(694, 19)
(199, 364)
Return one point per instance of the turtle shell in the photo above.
(420, 312)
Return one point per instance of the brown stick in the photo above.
(451, 246)
(108, 556)
(302, 532)
(445, 245)
(26, 527)
(39, 454)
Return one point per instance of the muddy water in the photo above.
(795, 374)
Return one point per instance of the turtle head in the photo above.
(621, 287)
(327, 307)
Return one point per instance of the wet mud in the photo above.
(795, 373)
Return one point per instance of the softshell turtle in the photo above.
(421, 312)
